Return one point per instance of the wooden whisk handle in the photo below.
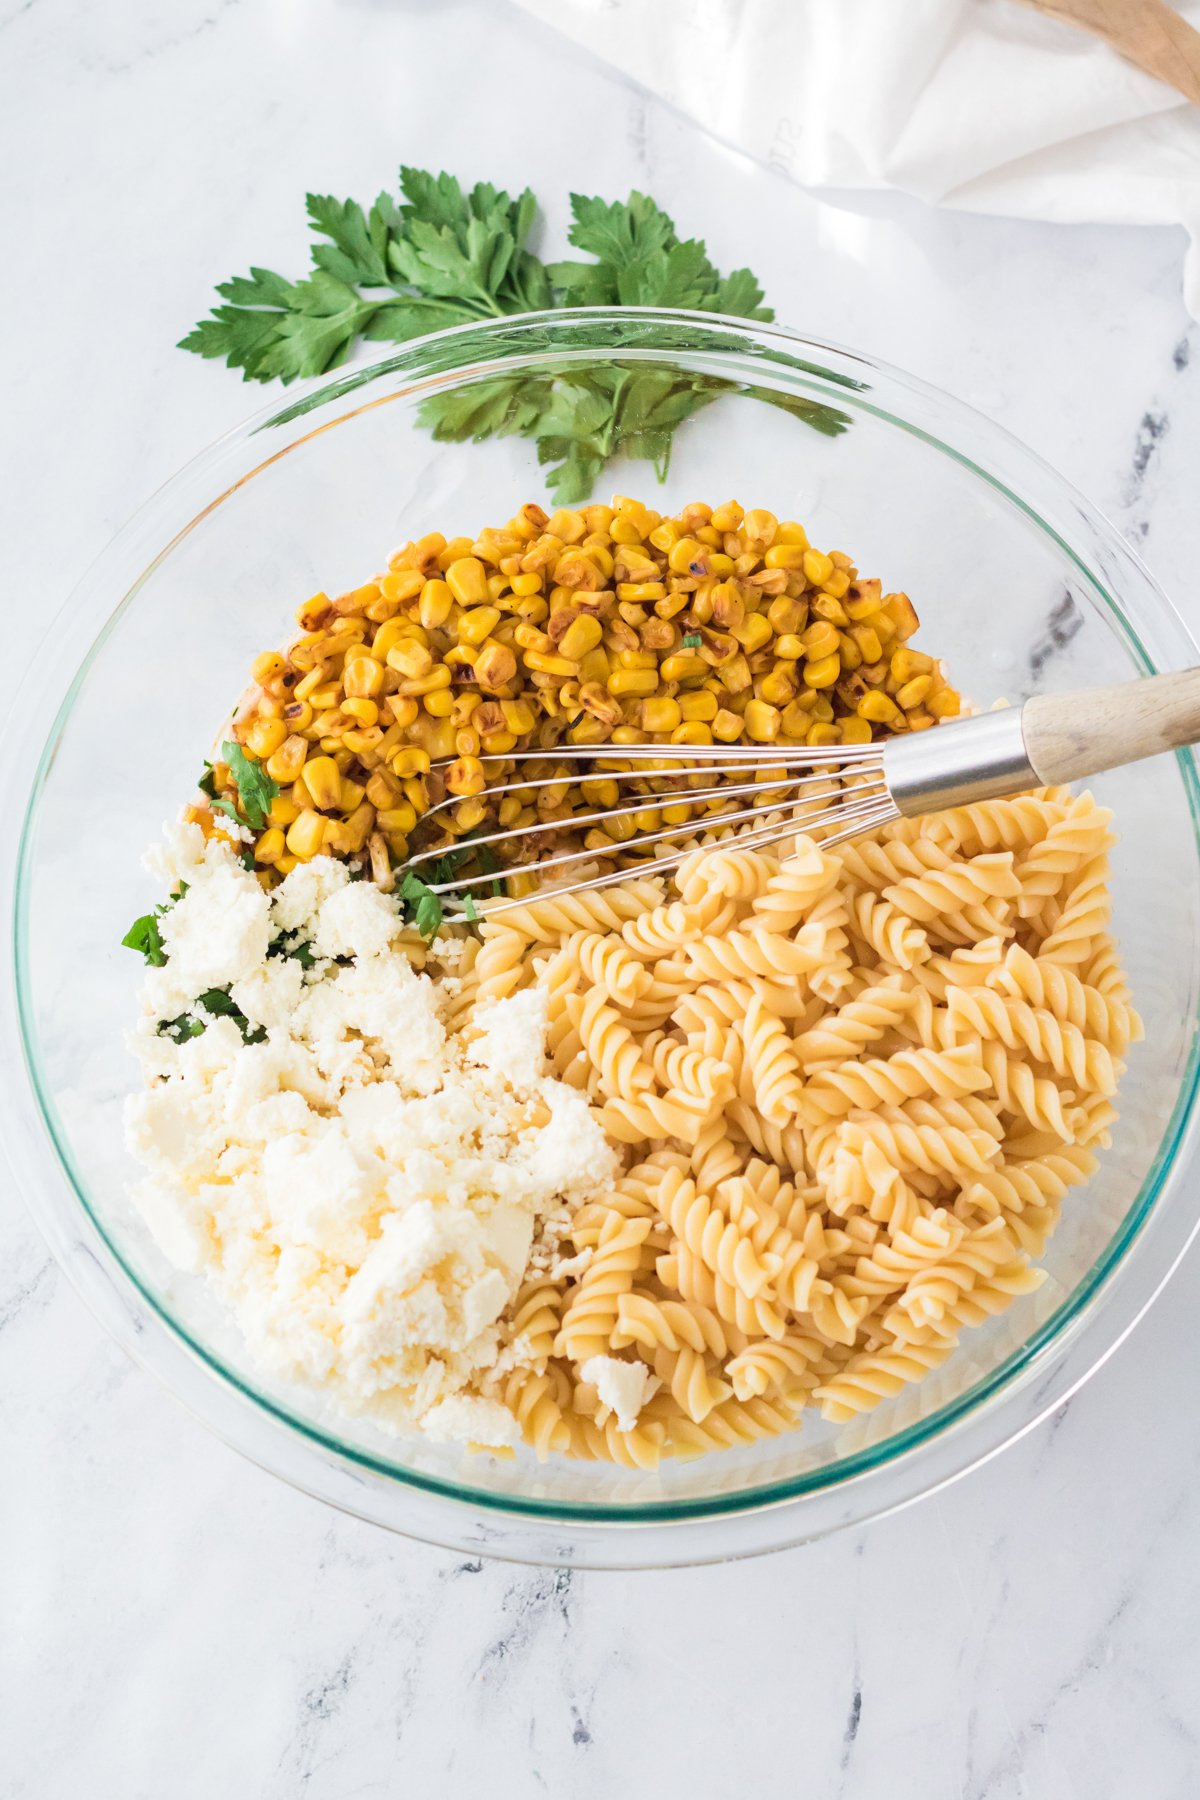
(1071, 736)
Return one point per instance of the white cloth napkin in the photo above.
(979, 104)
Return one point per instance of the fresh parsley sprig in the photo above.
(446, 256)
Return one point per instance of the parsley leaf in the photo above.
(444, 255)
(255, 788)
(301, 953)
(220, 1004)
(425, 906)
(144, 937)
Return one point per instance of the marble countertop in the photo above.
(173, 1622)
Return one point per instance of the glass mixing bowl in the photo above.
(1020, 585)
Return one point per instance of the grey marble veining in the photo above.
(173, 1622)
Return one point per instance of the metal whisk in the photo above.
(839, 791)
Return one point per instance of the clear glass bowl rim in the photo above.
(473, 349)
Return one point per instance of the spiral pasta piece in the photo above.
(1058, 989)
(1080, 834)
(876, 1375)
(1050, 1040)
(890, 934)
(890, 1081)
(789, 893)
(780, 1365)
(610, 1045)
(546, 920)
(590, 1316)
(771, 1064)
(1086, 908)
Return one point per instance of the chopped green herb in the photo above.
(425, 907)
(301, 953)
(469, 907)
(692, 641)
(255, 788)
(144, 937)
(220, 1003)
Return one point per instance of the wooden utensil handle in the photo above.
(1071, 736)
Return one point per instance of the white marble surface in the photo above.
(174, 1622)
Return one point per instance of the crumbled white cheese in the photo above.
(622, 1387)
(357, 920)
(512, 1040)
(362, 1187)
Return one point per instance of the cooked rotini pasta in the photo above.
(853, 1087)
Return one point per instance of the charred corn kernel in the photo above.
(683, 666)
(323, 780)
(528, 583)
(789, 646)
(780, 685)
(382, 790)
(438, 677)
(636, 659)
(791, 533)
(412, 760)
(270, 846)
(519, 716)
(825, 733)
(403, 710)
(306, 836)
(440, 703)
(435, 604)
(787, 615)
(638, 592)
(620, 827)
(688, 557)
(416, 792)
(797, 717)
(365, 711)
(758, 528)
(478, 624)
(310, 613)
(727, 726)
(400, 818)
(822, 672)
(735, 676)
(848, 650)
(362, 678)
(856, 730)
(838, 585)
(283, 811)
(325, 699)
(699, 704)
(625, 683)
(753, 632)
(825, 606)
(264, 668)
(762, 721)
(692, 731)
(352, 795)
(495, 666)
(602, 791)
(549, 665)
(308, 684)
(902, 613)
(914, 692)
(497, 743)
(466, 742)
(785, 556)
(265, 736)
(817, 567)
(878, 707)
(410, 658)
(466, 578)
(581, 636)
(944, 703)
(466, 776)
(905, 663)
(661, 714)
(402, 584)
(868, 643)
(820, 640)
